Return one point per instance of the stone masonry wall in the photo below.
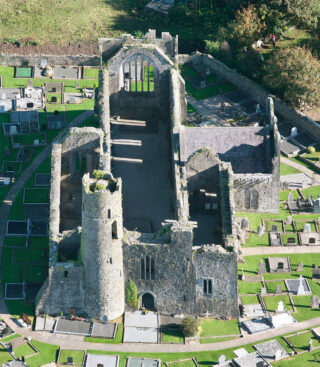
(34, 60)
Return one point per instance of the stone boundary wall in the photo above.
(102, 109)
(55, 190)
(254, 90)
(179, 176)
(34, 60)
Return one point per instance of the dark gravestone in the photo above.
(274, 228)
(291, 240)
(316, 273)
(70, 360)
(54, 99)
(280, 265)
(312, 240)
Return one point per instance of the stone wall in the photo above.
(35, 60)
(177, 116)
(256, 92)
(212, 262)
(62, 290)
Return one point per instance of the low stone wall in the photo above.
(34, 60)
(255, 91)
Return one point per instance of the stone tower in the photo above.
(101, 245)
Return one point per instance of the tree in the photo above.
(189, 326)
(132, 298)
(247, 27)
(294, 74)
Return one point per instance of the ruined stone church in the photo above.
(145, 198)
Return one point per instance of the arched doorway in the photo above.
(148, 301)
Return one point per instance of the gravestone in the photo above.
(318, 220)
(291, 240)
(6, 151)
(245, 224)
(301, 291)
(274, 228)
(315, 272)
(280, 307)
(69, 360)
(203, 84)
(13, 130)
(277, 355)
(315, 302)
(77, 86)
(262, 267)
(36, 142)
(307, 228)
(294, 132)
(243, 277)
(222, 359)
(30, 84)
(290, 197)
(6, 181)
(261, 230)
(288, 220)
(278, 289)
(300, 267)
(310, 347)
(263, 292)
(105, 319)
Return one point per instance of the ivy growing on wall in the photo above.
(132, 298)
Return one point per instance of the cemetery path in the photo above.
(301, 168)
(77, 342)
(247, 251)
(210, 114)
(14, 191)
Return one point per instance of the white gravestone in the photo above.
(301, 291)
(307, 228)
(280, 307)
(294, 132)
(222, 359)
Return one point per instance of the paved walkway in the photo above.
(14, 191)
(301, 168)
(247, 251)
(209, 113)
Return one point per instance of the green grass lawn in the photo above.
(48, 353)
(53, 98)
(300, 226)
(24, 350)
(256, 240)
(300, 342)
(4, 356)
(250, 300)
(188, 363)
(77, 356)
(287, 170)
(34, 273)
(91, 73)
(37, 196)
(272, 302)
(249, 287)
(271, 286)
(28, 139)
(190, 108)
(11, 337)
(38, 242)
(172, 336)
(15, 241)
(28, 256)
(285, 238)
(270, 223)
(116, 340)
(214, 327)
(314, 157)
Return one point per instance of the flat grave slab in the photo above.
(56, 121)
(94, 360)
(240, 352)
(257, 325)
(73, 98)
(138, 319)
(65, 72)
(37, 212)
(14, 291)
(253, 310)
(145, 362)
(316, 331)
(17, 227)
(289, 148)
(293, 285)
(40, 322)
(50, 324)
(282, 319)
(31, 291)
(64, 326)
(279, 264)
(100, 330)
(42, 179)
(38, 228)
(270, 348)
(250, 360)
(134, 334)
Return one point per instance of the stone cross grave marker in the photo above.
(280, 307)
(301, 291)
